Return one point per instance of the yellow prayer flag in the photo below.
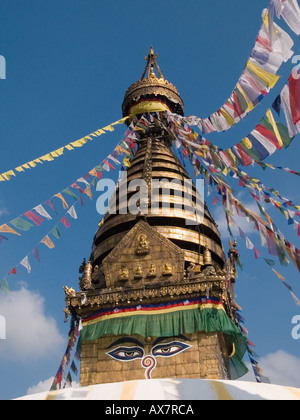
(231, 155)
(8, 174)
(247, 142)
(269, 78)
(69, 147)
(60, 151)
(19, 169)
(99, 132)
(230, 121)
(47, 241)
(47, 158)
(249, 103)
(275, 128)
(65, 204)
(109, 128)
(88, 192)
(7, 229)
(1, 178)
(93, 172)
(126, 162)
(26, 166)
(38, 161)
(32, 164)
(79, 143)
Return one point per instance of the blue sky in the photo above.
(69, 63)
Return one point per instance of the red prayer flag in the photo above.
(256, 253)
(65, 222)
(247, 160)
(34, 217)
(215, 201)
(13, 271)
(294, 88)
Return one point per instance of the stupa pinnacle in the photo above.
(152, 92)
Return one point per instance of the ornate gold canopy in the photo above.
(152, 92)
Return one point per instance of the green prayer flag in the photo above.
(271, 263)
(71, 193)
(21, 224)
(55, 232)
(4, 286)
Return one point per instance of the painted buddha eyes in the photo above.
(169, 349)
(127, 354)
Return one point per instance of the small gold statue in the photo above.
(138, 272)
(152, 271)
(124, 275)
(168, 270)
(142, 245)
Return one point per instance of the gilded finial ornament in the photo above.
(152, 92)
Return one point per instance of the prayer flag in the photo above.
(26, 264)
(47, 241)
(72, 212)
(36, 254)
(40, 210)
(4, 286)
(65, 204)
(21, 224)
(51, 205)
(274, 125)
(65, 222)
(55, 232)
(294, 89)
(34, 217)
(7, 229)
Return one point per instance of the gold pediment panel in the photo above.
(143, 257)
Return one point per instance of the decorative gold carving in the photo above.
(207, 256)
(85, 282)
(151, 85)
(139, 272)
(168, 270)
(142, 245)
(152, 271)
(124, 275)
(67, 313)
(69, 292)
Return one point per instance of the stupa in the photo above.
(156, 298)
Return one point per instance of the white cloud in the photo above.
(44, 386)
(280, 367)
(30, 334)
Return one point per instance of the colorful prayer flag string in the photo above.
(49, 157)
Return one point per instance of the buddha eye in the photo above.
(126, 354)
(169, 349)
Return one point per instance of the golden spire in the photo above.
(151, 64)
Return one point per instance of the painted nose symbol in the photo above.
(148, 363)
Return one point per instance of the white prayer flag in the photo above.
(72, 212)
(25, 263)
(40, 210)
